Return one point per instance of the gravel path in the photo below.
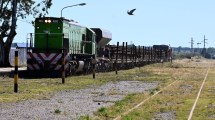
(72, 104)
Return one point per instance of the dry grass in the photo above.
(177, 99)
(41, 88)
(44, 88)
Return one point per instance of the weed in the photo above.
(103, 112)
(102, 109)
(128, 118)
(151, 92)
(87, 117)
(57, 111)
(157, 89)
(158, 101)
(162, 110)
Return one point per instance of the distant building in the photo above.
(19, 45)
(22, 53)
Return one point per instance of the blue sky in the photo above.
(171, 22)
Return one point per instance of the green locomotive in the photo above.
(54, 36)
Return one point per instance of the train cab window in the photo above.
(83, 37)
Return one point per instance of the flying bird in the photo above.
(131, 12)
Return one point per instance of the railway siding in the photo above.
(205, 108)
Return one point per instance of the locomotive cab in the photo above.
(49, 35)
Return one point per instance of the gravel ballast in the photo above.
(71, 104)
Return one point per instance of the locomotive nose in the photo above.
(46, 65)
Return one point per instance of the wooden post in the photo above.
(131, 54)
(143, 53)
(122, 52)
(148, 54)
(16, 73)
(135, 55)
(161, 55)
(94, 66)
(126, 52)
(63, 68)
(31, 40)
(139, 56)
(171, 54)
(152, 55)
(117, 51)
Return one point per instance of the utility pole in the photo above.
(204, 49)
(204, 41)
(192, 42)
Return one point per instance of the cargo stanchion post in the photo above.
(16, 73)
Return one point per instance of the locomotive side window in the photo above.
(89, 37)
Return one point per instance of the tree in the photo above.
(10, 11)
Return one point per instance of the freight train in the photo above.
(59, 41)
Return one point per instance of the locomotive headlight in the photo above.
(49, 21)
